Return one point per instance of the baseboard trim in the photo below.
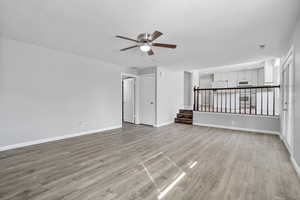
(45, 140)
(286, 145)
(237, 128)
(295, 165)
(293, 161)
(164, 124)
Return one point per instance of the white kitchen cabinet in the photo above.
(242, 76)
(233, 78)
(254, 77)
(261, 76)
(268, 72)
(217, 77)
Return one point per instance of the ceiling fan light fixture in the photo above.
(144, 41)
(145, 47)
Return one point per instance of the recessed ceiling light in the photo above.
(262, 46)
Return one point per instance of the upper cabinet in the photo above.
(268, 75)
(232, 79)
(271, 72)
(243, 76)
(261, 76)
(250, 76)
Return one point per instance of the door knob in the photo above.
(151, 102)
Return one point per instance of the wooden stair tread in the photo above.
(185, 115)
(183, 121)
(186, 111)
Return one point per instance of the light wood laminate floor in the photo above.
(175, 162)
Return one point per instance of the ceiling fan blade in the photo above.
(126, 38)
(155, 35)
(150, 53)
(172, 46)
(129, 48)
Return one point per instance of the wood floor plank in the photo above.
(174, 162)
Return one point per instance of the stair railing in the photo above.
(259, 100)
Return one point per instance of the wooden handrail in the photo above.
(251, 87)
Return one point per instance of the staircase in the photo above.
(184, 117)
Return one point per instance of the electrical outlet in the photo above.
(82, 124)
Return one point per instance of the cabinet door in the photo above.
(254, 78)
(217, 77)
(242, 76)
(260, 76)
(232, 79)
(249, 76)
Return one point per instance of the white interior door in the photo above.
(128, 100)
(287, 83)
(147, 99)
(188, 90)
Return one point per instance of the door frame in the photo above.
(136, 94)
(290, 57)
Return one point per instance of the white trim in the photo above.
(128, 74)
(136, 96)
(295, 165)
(45, 140)
(188, 108)
(290, 53)
(164, 124)
(286, 145)
(290, 57)
(238, 128)
(280, 136)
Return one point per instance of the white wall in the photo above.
(236, 121)
(169, 94)
(146, 70)
(47, 93)
(195, 74)
(296, 43)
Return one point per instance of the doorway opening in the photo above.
(128, 99)
(188, 90)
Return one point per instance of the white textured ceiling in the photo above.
(207, 32)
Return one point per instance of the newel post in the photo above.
(194, 98)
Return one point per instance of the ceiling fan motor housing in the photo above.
(144, 37)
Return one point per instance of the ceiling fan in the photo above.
(145, 42)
